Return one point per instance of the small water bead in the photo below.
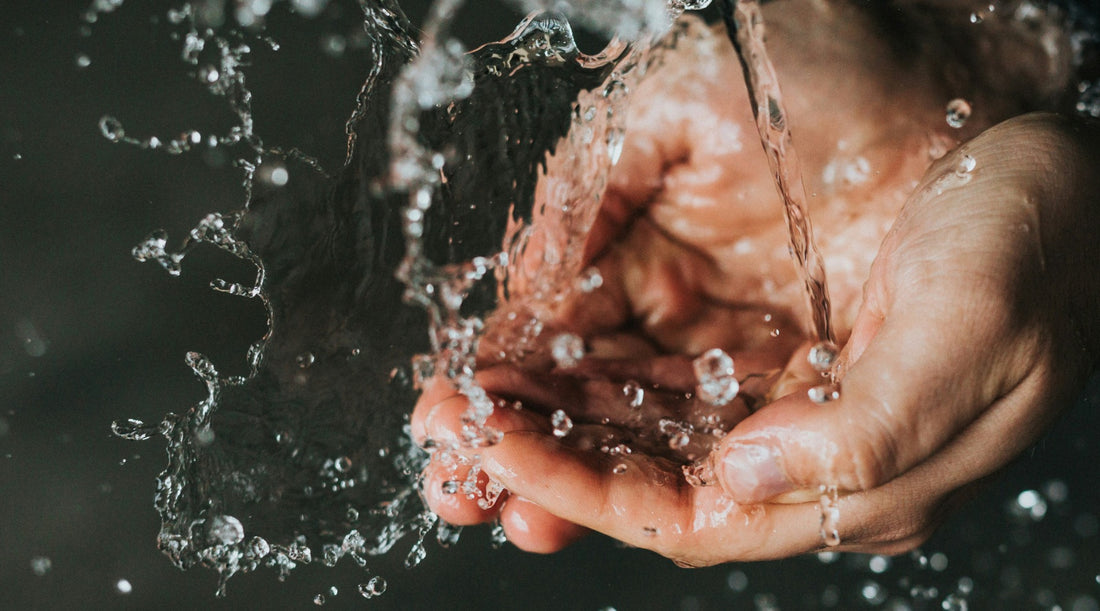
(737, 581)
(1030, 505)
(82, 60)
(714, 378)
(305, 360)
(966, 165)
(319, 600)
(111, 128)
(561, 422)
(824, 393)
(619, 469)
(955, 602)
(958, 112)
(822, 356)
(878, 564)
(873, 593)
(830, 515)
(41, 565)
(260, 547)
(375, 587)
(679, 441)
(650, 531)
(700, 473)
(634, 393)
(567, 350)
(938, 562)
(333, 591)
(224, 529)
(123, 586)
(342, 464)
(589, 280)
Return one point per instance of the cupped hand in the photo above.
(973, 326)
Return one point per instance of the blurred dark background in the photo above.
(88, 335)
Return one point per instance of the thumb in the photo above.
(911, 386)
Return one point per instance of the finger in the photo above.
(533, 529)
(646, 504)
(447, 492)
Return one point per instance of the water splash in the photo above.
(307, 458)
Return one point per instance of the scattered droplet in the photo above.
(958, 112)
(714, 377)
(619, 469)
(260, 547)
(830, 515)
(589, 280)
(375, 587)
(123, 586)
(634, 393)
(224, 530)
(561, 422)
(305, 359)
(82, 60)
(567, 350)
(822, 356)
(41, 565)
(955, 602)
(111, 128)
(824, 393)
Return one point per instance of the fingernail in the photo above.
(751, 474)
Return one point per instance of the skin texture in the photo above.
(972, 326)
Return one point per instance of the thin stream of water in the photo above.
(745, 24)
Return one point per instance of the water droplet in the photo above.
(737, 581)
(123, 586)
(567, 350)
(958, 111)
(319, 600)
(975, 18)
(589, 280)
(260, 547)
(954, 602)
(82, 60)
(679, 441)
(17, 156)
(830, 515)
(375, 587)
(650, 531)
(700, 473)
(111, 128)
(1029, 505)
(878, 564)
(824, 393)
(305, 359)
(224, 530)
(714, 377)
(822, 356)
(634, 393)
(619, 469)
(561, 422)
(41, 565)
(450, 486)
(343, 464)
(873, 593)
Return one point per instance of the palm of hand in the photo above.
(692, 247)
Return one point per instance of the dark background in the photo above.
(88, 335)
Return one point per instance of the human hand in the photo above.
(901, 469)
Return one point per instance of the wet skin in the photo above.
(966, 303)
